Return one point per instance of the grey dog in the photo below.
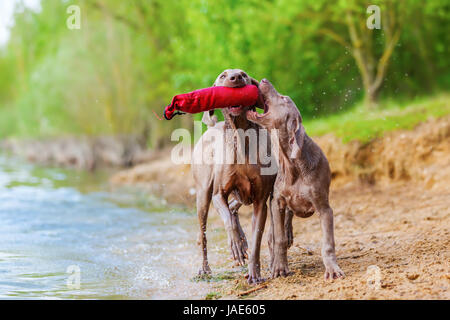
(242, 182)
(302, 183)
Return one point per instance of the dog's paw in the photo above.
(332, 272)
(279, 268)
(254, 275)
(204, 270)
(238, 247)
(254, 279)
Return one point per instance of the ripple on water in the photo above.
(54, 218)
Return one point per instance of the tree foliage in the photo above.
(130, 57)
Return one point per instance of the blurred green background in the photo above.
(130, 57)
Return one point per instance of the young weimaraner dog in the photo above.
(242, 181)
(302, 183)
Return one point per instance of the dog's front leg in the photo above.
(258, 223)
(234, 206)
(203, 201)
(332, 270)
(238, 245)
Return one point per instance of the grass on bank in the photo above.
(364, 125)
(357, 123)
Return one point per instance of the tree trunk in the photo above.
(371, 98)
(363, 54)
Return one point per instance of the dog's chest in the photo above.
(298, 200)
(245, 186)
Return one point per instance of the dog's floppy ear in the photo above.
(259, 102)
(254, 81)
(296, 136)
(209, 118)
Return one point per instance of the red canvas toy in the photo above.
(212, 98)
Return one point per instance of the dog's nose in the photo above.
(236, 77)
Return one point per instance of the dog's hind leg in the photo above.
(279, 262)
(203, 201)
(258, 223)
(288, 228)
(270, 235)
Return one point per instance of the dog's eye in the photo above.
(244, 75)
(222, 76)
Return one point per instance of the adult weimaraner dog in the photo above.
(302, 183)
(242, 181)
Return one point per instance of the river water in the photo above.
(62, 236)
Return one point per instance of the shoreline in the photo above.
(382, 161)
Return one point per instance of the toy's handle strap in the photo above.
(170, 112)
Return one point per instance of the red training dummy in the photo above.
(212, 98)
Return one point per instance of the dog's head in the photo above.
(280, 113)
(233, 78)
